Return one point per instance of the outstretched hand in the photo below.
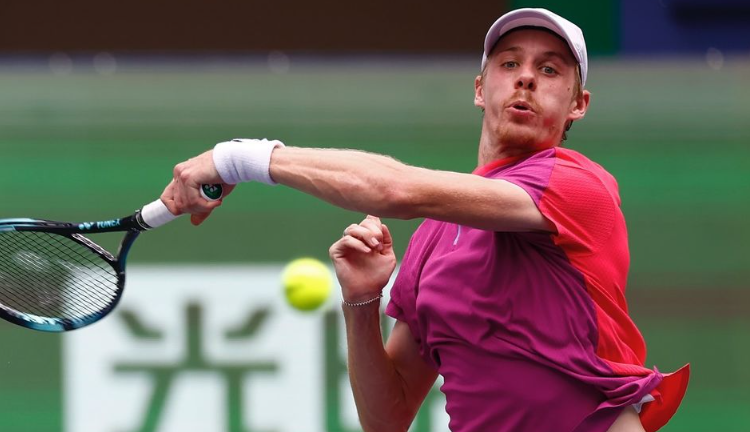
(182, 194)
(363, 259)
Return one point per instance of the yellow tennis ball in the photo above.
(307, 283)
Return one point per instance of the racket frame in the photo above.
(132, 225)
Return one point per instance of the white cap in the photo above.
(533, 17)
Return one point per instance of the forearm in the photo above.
(382, 186)
(351, 179)
(377, 387)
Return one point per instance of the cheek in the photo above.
(493, 102)
(556, 113)
(559, 105)
(551, 123)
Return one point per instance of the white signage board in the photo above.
(214, 349)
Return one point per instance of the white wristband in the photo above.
(244, 160)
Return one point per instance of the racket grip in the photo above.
(156, 214)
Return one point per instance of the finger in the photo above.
(352, 243)
(189, 188)
(184, 200)
(211, 205)
(193, 199)
(347, 244)
(387, 238)
(349, 228)
(198, 218)
(177, 170)
(167, 197)
(372, 222)
(179, 201)
(366, 235)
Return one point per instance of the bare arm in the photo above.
(382, 186)
(389, 383)
(372, 184)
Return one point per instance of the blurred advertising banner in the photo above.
(214, 349)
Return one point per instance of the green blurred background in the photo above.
(84, 136)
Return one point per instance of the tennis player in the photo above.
(513, 288)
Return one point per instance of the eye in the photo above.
(510, 64)
(549, 70)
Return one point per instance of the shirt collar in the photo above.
(490, 166)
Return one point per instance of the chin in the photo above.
(521, 138)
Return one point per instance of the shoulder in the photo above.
(531, 173)
(558, 172)
(573, 169)
(581, 200)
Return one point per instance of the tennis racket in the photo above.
(53, 278)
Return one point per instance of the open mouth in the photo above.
(521, 106)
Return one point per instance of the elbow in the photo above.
(384, 428)
(398, 201)
(382, 193)
(395, 423)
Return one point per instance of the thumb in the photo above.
(387, 239)
(213, 204)
(197, 219)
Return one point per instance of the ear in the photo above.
(579, 106)
(478, 92)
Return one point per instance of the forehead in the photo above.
(535, 40)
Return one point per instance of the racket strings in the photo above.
(39, 287)
(42, 287)
(84, 280)
(51, 275)
(86, 287)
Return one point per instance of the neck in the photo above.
(492, 148)
(489, 152)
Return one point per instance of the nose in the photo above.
(526, 81)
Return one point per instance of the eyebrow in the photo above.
(557, 55)
(546, 54)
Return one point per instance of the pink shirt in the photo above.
(530, 331)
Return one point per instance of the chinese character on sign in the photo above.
(163, 376)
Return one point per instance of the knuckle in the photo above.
(373, 231)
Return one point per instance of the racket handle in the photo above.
(157, 214)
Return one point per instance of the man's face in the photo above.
(528, 90)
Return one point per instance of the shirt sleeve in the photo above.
(395, 308)
(532, 175)
(403, 303)
(572, 196)
(581, 207)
